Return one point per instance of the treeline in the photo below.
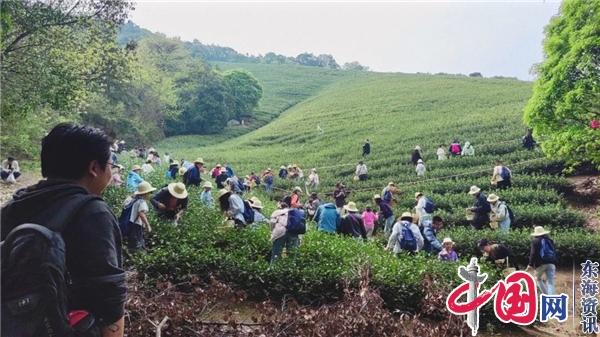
(211, 53)
(61, 61)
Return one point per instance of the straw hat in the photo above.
(391, 183)
(447, 240)
(218, 165)
(474, 190)
(269, 169)
(420, 161)
(253, 199)
(282, 167)
(207, 184)
(351, 207)
(418, 194)
(199, 160)
(539, 231)
(256, 204)
(493, 198)
(136, 168)
(406, 215)
(377, 196)
(297, 189)
(418, 148)
(182, 170)
(178, 190)
(223, 192)
(144, 187)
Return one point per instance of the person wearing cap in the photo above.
(192, 176)
(147, 167)
(295, 197)
(542, 259)
(366, 149)
(499, 213)
(221, 179)
(361, 171)
(416, 155)
(267, 178)
(257, 207)
(495, 252)
(313, 180)
(420, 169)
(171, 201)
(420, 208)
(279, 235)
(139, 218)
(134, 178)
(352, 224)
(283, 172)
(232, 205)
(327, 218)
(116, 180)
(369, 219)
(447, 253)
(468, 150)
(429, 229)
(405, 222)
(312, 204)
(388, 192)
(481, 208)
(386, 214)
(441, 153)
(206, 196)
(340, 194)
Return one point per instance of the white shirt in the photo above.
(396, 236)
(313, 179)
(140, 206)
(420, 169)
(420, 208)
(15, 166)
(147, 168)
(361, 169)
(441, 153)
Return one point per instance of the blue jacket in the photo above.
(385, 210)
(432, 244)
(327, 218)
(193, 176)
(230, 172)
(133, 180)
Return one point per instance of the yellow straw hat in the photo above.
(177, 190)
(144, 187)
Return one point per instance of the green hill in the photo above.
(283, 87)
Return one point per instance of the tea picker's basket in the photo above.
(469, 215)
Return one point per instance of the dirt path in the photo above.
(585, 197)
(7, 190)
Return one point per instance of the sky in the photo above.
(496, 38)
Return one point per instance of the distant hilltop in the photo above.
(215, 53)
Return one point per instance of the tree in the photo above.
(566, 95)
(354, 66)
(244, 93)
(475, 74)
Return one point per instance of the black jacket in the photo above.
(352, 225)
(92, 241)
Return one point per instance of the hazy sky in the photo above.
(494, 38)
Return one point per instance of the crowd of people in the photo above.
(78, 163)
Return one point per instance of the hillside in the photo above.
(283, 87)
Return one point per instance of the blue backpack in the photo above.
(248, 213)
(269, 180)
(296, 223)
(408, 241)
(505, 173)
(124, 223)
(547, 251)
(429, 206)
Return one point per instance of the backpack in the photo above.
(505, 173)
(408, 241)
(124, 222)
(429, 206)
(511, 215)
(34, 280)
(269, 180)
(296, 223)
(455, 148)
(547, 251)
(248, 213)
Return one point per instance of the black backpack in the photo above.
(34, 280)
(248, 213)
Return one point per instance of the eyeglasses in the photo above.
(113, 165)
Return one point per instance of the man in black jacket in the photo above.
(481, 208)
(76, 163)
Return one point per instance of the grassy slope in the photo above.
(283, 87)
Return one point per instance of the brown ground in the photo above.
(7, 190)
(586, 198)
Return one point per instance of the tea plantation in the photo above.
(326, 130)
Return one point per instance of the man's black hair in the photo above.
(482, 243)
(68, 150)
(9, 158)
(437, 218)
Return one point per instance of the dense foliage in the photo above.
(565, 107)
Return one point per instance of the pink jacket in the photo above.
(369, 219)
